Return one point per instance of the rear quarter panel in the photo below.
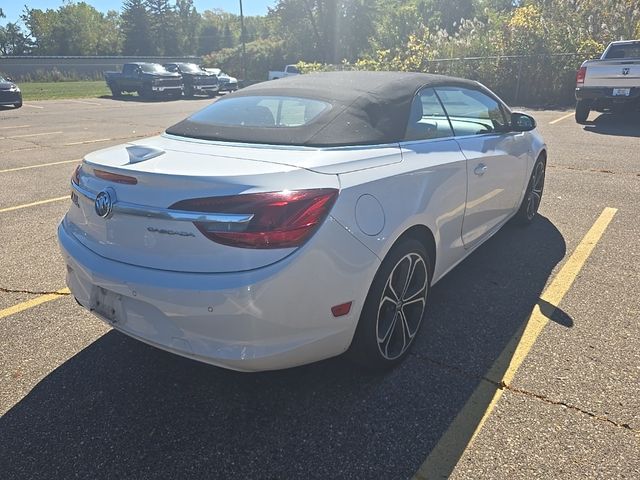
(428, 187)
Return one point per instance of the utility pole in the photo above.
(244, 47)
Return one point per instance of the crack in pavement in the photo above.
(33, 292)
(593, 170)
(502, 385)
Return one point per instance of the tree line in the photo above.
(372, 34)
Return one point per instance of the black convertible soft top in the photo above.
(367, 108)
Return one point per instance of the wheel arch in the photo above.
(424, 235)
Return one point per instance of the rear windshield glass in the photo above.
(261, 111)
(152, 68)
(190, 67)
(631, 50)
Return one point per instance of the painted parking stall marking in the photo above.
(33, 204)
(40, 165)
(470, 420)
(34, 302)
(30, 135)
(558, 120)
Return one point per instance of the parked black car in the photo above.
(195, 79)
(147, 79)
(10, 93)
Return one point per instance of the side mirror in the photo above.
(9, 79)
(521, 122)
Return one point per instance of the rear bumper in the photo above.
(270, 318)
(605, 95)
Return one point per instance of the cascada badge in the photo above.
(104, 203)
(626, 70)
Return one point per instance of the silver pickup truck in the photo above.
(611, 83)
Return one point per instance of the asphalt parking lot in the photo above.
(528, 367)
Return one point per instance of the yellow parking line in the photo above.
(15, 126)
(564, 117)
(27, 167)
(85, 102)
(33, 204)
(90, 141)
(20, 307)
(470, 420)
(29, 135)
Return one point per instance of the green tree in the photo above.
(13, 41)
(72, 29)
(163, 26)
(136, 27)
(188, 26)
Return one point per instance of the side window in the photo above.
(129, 69)
(427, 119)
(472, 112)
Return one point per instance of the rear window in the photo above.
(630, 50)
(261, 111)
(152, 68)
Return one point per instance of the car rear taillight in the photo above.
(279, 219)
(580, 76)
(75, 178)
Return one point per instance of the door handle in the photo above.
(480, 169)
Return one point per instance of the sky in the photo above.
(13, 8)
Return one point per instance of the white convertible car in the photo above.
(295, 220)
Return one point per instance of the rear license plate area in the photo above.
(621, 92)
(107, 304)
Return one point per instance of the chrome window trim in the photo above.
(133, 209)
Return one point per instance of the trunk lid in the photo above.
(167, 172)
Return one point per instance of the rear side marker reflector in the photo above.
(115, 177)
(341, 310)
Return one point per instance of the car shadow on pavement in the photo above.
(626, 124)
(121, 409)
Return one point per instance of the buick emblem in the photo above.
(626, 70)
(104, 204)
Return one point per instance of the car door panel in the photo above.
(495, 167)
(493, 188)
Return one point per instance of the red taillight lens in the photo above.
(115, 177)
(75, 178)
(280, 219)
(582, 73)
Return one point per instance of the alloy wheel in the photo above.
(537, 186)
(402, 305)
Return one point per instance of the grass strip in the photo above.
(56, 90)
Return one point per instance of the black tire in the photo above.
(533, 196)
(115, 92)
(188, 92)
(397, 317)
(18, 104)
(582, 111)
(146, 92)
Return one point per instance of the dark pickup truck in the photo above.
(195, 79)
(147, 79)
